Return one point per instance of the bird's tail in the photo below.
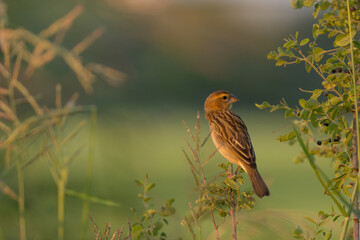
(258, 183)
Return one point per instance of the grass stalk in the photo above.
(317, 173)
(21, 201)
(89, 173)
(354, 198)
(61, 184)
(233, 210)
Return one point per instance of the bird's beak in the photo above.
(233, 99)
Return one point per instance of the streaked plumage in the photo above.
(230, 136)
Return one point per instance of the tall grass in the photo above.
(45, 134)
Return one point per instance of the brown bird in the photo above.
(230, 136)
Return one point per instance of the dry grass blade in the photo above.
(6, 190)
(192, 168)
(129, 225)
(209, 157)
(36, 157)
(193, 215)
(197, 129)
(95, 227)
(86, 42)
(3, 71)
(64, 22)
(115, 233)
(74, 156)
(34, 119)
(73, 133)
(5, 48)
(9, 113)
(205, 140)
(189, 131)
(120, 232)
(16, 70)
(107, 231)
(29, 98)
(5, 128)
(85, 77)
(112, 77)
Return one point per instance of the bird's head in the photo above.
(219, 100)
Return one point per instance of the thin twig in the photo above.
(193, 215)
(207, 195)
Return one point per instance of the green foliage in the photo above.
(317, 228)
(220, 195)
(323, 118)
(149, 224)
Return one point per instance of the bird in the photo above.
(230, 136)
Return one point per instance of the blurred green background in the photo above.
(175, 53)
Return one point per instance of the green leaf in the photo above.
(313, 119)
(139, 182)
(222, 214)
(286, 137)
(265, 104)
(316, 94)
(280, 62)
(151, 212)
(304, 114)
(297, 4)
(308, 3)
(343, 40)
(289, 113)
(297, 231)
(136, 231)
(289, 44)
(149, 187)
(324, 5)
(311, 103)
(302, 102)
(323, 215)
(318, 54)
(310, 220)
(315, 31)
(328, 235)
(281, 51)
(272, 55)
(232, 184)
(304, 42)
(328, 85)
(356, 44)
(335, 101)
(317, 10)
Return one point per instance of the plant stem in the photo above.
(355, 165)
(89, 172)
(61, 203)
(21, 200)
(207, 196)
(233, 210)
(355, 126)
(317, 173)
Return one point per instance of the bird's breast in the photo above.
(223, 148)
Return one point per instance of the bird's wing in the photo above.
(233, 132)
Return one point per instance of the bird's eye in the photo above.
(224, 97)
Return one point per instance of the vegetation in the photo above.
(325, 125)
(321, 123)
(32, 130)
